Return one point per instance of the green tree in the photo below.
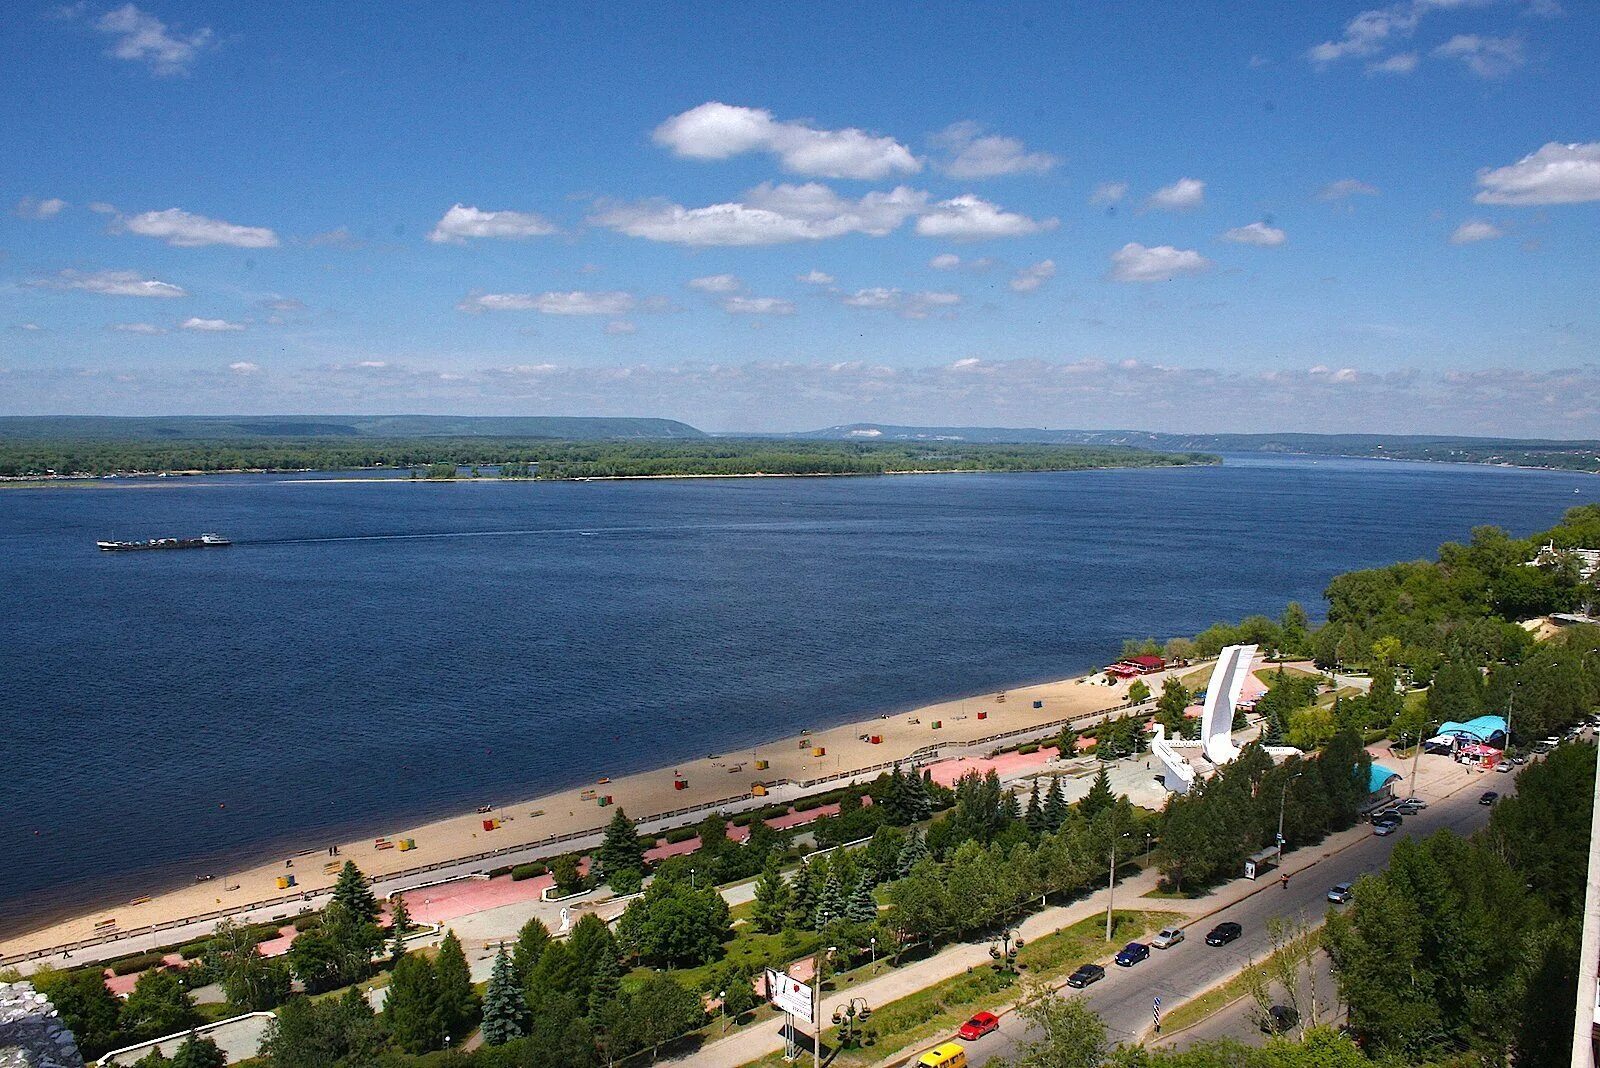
(1170, 707)
(157, 1005)
(804, 891)
(595, 954)
(352, 892)
(565, 873)
(1033, 816)
(197, 1052)
(400, 925)
(1055, 805)
(307, 1033)
(1138, 692)
(1070, 1035)
(1295, 629)
(861, 907)
(1099, 798)
(505, 1010)
(621, 849)
(552, 979)
(772, 901)
(531, 941)
(913, 851)
(458, 1002)
(88, 1009)
(830, 903)
(252, 983)
(412, 1013)
(662, 1009)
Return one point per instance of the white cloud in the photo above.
(576, 302)
(1256, 233)
(716, 283)
(1399, 63)
(147, 329)
(32, 328)
(974, 154)
(906, 305)
(1370, 32)
(1556, 174)
(1474, 230)
(620, 327)
(100, 207)
(716, 131)
(1487, 57)
(461, 222)
(244, 367)
(815, 277)
(1345, 188)
(768, 215)
(183, 230)
(758, 306)
(210, 326)
(1108, 193)
(1134, 262)
(1030, 278)
(970, 218)
(142, 38)
(31, 208)
(945, 261)
(111, 284)
(1183, 195)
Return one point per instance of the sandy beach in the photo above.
(658, 799)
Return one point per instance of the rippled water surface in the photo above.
(367, 654)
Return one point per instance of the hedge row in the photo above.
(680, 834)
(528, 871)
(141, 962)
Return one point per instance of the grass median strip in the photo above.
(1225, 993)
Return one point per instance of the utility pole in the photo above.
(1283, 800)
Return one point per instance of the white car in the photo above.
(1167, 937)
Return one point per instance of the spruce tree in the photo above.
(1055, 805)
(1099, 798)
(894, 799)
(411, 1010)
(620, 850)
(803, 899)
(505, 1010)
(915, 849)
(352, 892)
(458, 1004)
(399, 926)
(197, 1052)
(861, 908)
(830, 903)
(773, 899)
(1010, 809)
(1034, 816)
(531, 941)
(919, 796)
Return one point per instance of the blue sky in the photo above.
(1178, 217)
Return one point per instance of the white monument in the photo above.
(1222, 697)
(1178, 772)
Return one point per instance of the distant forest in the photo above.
(546, 459)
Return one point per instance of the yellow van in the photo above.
(949, 1055)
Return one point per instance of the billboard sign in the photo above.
(790, 995)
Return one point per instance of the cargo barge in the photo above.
(204, 541)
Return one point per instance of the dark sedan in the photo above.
(1223, 933)
(1132, 954)
(1086, 974)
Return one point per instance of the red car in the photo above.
(978, 1026)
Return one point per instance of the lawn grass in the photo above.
(1218, 997)
(913, 1021)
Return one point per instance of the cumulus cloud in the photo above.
(1030, 278)
(945, 261)
(973, 154)
(210, 326)
(716, 283)
(815, 277)
(715, 131)
(757, 306)
(621, 327)
(1134, 262)
(111, 284)
(1256, 233)
(1399, 63)
(1185, 194)
(1107, 193)
(147, 329)
(577, 302)
(100, 207)
(1372, 31)
(906, 305)
(971, 218)
(1487, 57)
(1345, 188)
(460, 223)
(31, 208)
(182, 229)
(140, 37)
(1474, 230)
(1556, 174)
(244, 367)
(768, 215)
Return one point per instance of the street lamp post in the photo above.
(874, 941)
(1283, 801)
(722, 1010)
(846, 1017)
(1005, 950)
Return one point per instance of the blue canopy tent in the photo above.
(1487, 730)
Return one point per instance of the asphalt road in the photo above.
(1123, 997)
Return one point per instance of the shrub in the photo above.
(307, 921)
(143, 962)
(528, 871)
(1031, 747)
(772, 812)
(648, 841)
(194, 950)
(806, 804)
(745, 819)
(680, 834)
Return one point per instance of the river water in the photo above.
(367, 655)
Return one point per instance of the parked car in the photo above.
(1503, 767)
(1223, 933)
(1279, 1019)
(1340, 893)
(1086, 974)
(1489, 797)
(944, 1055)
(1411, 805)
(1132, 954)
(981, 1024)
(1392, 816)
(1382, 829)
(1167, 937)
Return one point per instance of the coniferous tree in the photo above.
(1010, 808)
(458, 1003)
(773, 899)
(620, 850)
(803, 903)
(915, 849)
(411, 1012)
(919, 796)
(353, 893)
(531, 941)
(894, 799)
(1099, 798)
(399, 926)
(861, 908)
(197, 1052)
(1034, 815)
(505, 1009)
(1055, 805)
(830, 903)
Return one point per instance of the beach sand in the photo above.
(718, 779)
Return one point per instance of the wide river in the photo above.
(368, 655)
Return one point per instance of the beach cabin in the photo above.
(1134, 666)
